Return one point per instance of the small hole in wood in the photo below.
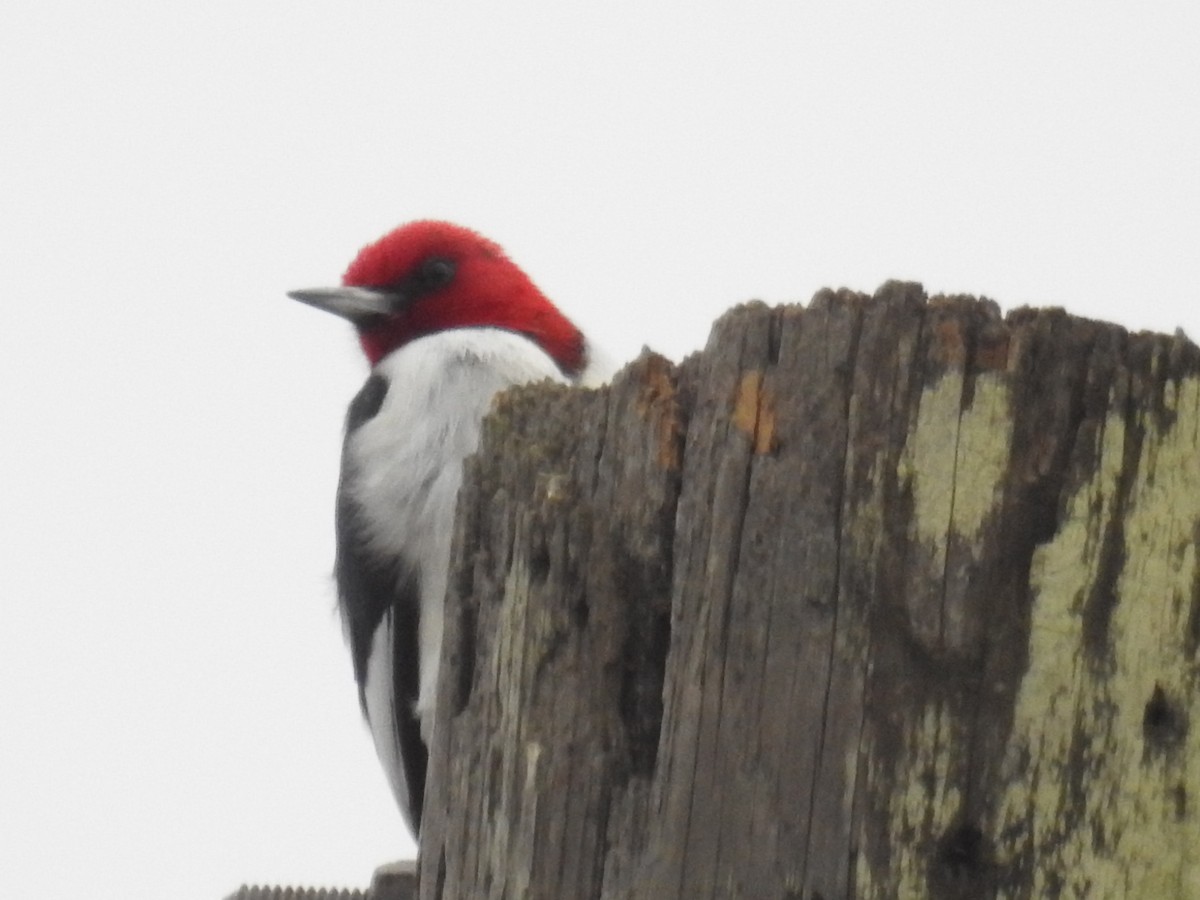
(961, 849)
(1163, 723)
(963, 865)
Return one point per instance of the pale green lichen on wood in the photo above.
(1055, 704)
(955, 458)
(1137, 832)
(1131, 828)
(924, 802)
(984, 438)
(930, 454)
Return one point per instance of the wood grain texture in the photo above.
(879, 597)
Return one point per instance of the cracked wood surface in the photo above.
(880, 597)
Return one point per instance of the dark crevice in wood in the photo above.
(1191, 637)
(465, 674)
(645, 652)
(1102, 598)
(439, 888)
(539, 556)
(774, 340)
(950, 537)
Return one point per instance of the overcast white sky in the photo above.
(176, 704)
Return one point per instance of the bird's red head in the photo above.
(428, 276)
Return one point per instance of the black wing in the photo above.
(376, 592)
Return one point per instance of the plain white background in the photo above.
(176, 705)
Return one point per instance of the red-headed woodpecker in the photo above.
(446, 321)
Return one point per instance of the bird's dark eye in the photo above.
(436, 272)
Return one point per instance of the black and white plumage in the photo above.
(447, 321)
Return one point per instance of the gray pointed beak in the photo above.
(359, 305)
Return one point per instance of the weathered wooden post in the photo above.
(882, 597)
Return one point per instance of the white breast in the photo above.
(407, 462)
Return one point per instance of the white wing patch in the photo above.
(380, 703)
